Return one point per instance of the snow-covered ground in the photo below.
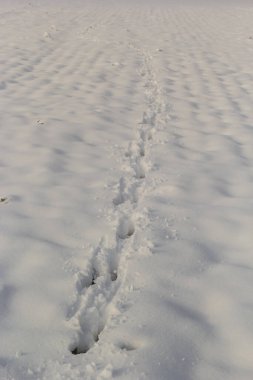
(126, 186)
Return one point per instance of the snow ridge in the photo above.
(98, 285)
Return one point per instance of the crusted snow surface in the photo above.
(126, 182)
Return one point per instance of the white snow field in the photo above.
(126, 190)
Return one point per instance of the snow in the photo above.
(126, 205)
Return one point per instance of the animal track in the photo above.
(89, 333)
(97, 287)
(136, 149)
(122, 196)
(142, 148)
(149, 117)
(139, 170)
(84, 281)
(125, 228)
(146, 134)
(129, 192)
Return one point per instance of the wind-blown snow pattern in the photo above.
(126, 175)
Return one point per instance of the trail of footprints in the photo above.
(99, 283)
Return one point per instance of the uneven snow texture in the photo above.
(126, 169)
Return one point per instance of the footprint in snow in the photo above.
(140, 170)
(125, 228)
(84, 281)
(142, 148)
(121, 197)
(147, 135)
(149, 117)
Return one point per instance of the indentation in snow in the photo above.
(125, 228)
